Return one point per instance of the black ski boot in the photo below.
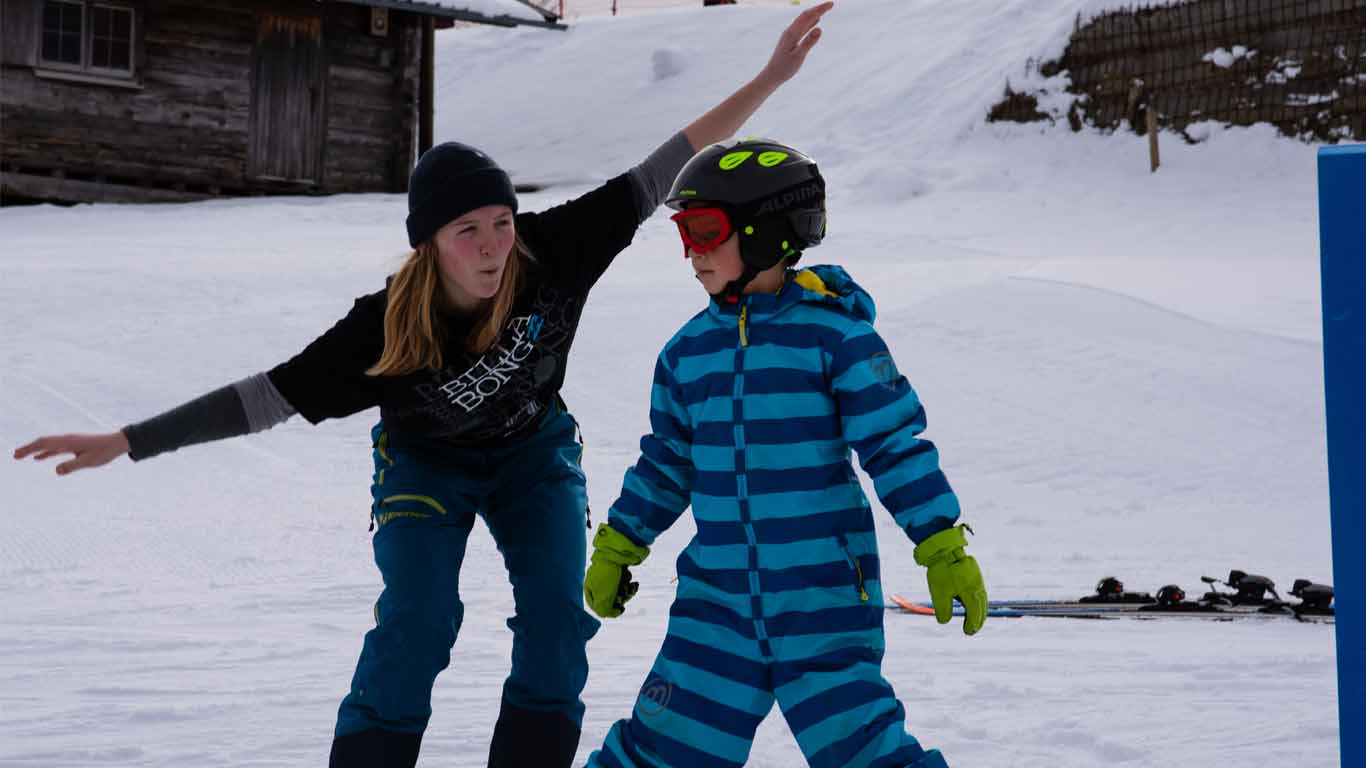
(375, 748)
(1172, 599)
(1315, 599)
(530, 738)
(1252, 589)
(1111, 590)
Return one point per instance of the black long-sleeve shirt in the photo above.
(474, 399)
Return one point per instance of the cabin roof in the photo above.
(506, 13)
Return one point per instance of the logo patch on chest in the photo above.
(496, 367)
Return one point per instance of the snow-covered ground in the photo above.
(1122, 371)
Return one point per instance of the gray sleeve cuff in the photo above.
(652, 179)
(264, 405)
(250, 405)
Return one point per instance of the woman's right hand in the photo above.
(87, 450)
(793, 45)
(722, 121)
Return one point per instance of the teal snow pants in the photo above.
(531, 494)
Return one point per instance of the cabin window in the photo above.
(62, 25)
(96, 37)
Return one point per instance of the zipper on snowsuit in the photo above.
(853, 563)
(742, 490)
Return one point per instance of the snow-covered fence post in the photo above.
(1154, 159)
(1342, 239)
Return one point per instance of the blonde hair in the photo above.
(412, 329)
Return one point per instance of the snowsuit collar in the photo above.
(824, 284)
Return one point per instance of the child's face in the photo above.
(716, 268)
(701, 225)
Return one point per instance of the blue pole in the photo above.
(1342, 238)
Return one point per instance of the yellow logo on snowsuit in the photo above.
(734, 159)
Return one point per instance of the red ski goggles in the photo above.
(703, 229)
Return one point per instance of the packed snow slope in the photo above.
(1121, 369)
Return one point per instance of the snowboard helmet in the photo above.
(773, 195)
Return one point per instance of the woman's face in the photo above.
(472, 252)
(716, 268)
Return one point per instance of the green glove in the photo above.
(607, 585)
(953, 575)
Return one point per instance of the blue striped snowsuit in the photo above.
(753, 413)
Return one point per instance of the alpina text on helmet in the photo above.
(790, 198)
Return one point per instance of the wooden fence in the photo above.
(1297, 64)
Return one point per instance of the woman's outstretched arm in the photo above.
(247, 406)
(723, 120)
(653, 177)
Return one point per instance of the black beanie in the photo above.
(452, 179)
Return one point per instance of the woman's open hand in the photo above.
(796, 41)
(87, 450)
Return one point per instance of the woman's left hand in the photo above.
(796, 41)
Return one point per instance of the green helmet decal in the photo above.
(772, 158)
(733, 160)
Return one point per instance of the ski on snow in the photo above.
(1250, 600)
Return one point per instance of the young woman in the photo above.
(463, 352)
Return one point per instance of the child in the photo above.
(756, 403)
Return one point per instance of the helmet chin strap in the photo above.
(749, 253)
(736, 288)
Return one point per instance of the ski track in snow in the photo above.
(1159, 307)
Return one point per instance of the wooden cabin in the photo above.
(169, 100)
